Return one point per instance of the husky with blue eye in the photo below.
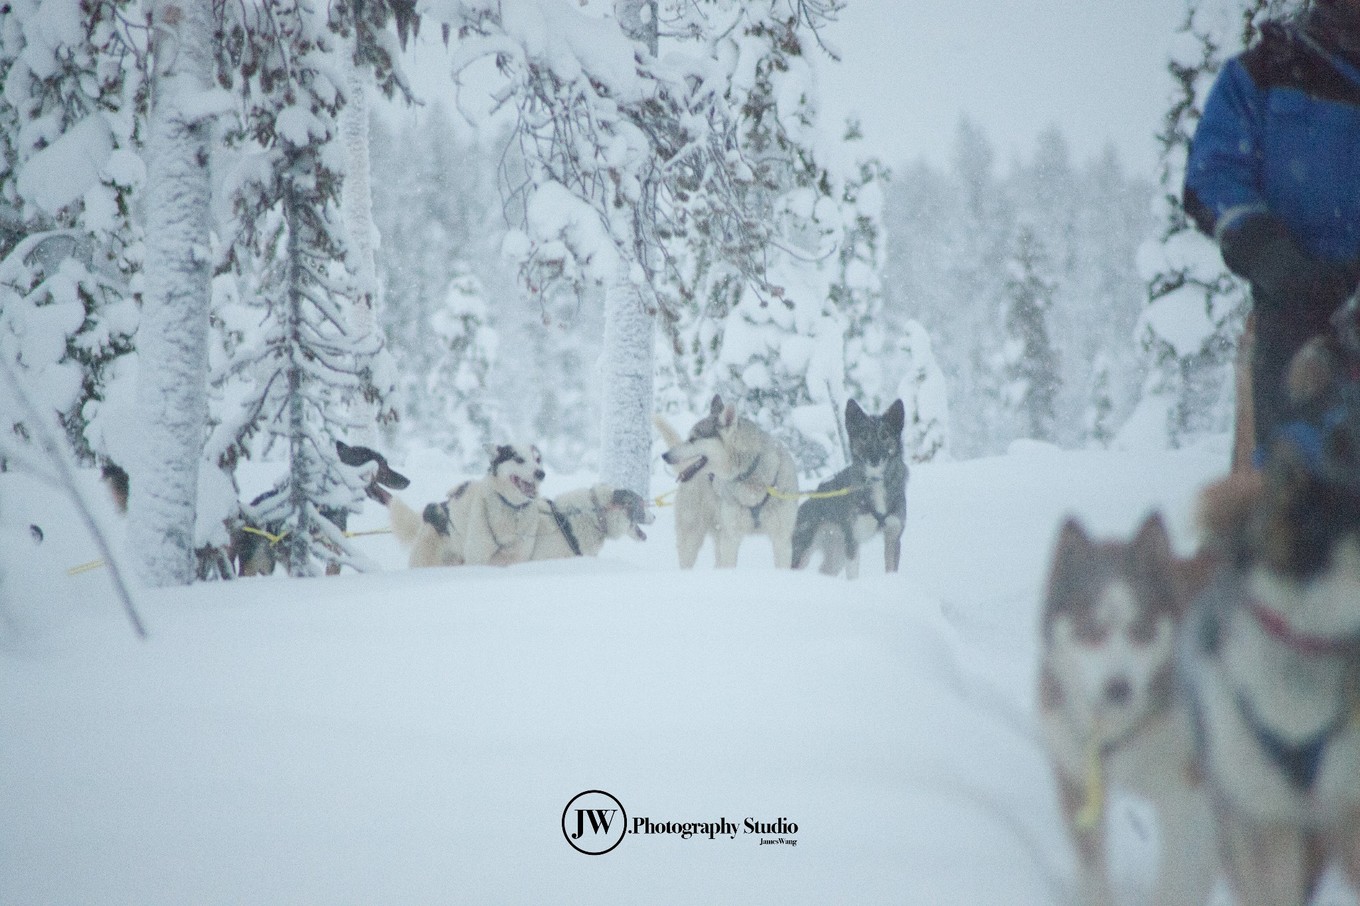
(1109, 712)
(865, 498)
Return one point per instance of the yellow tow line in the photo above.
(271, 538)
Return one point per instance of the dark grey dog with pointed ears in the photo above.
(866, 497)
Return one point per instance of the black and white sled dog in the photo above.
(735, 480)
(1109, 713)
(491, 520)
(1273, 655)
(866, 497)
(579, 522)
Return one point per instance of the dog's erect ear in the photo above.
(854, 416)
(896, 416)
(728, 417)
(1073, 552)
(716, 405)
(1150, 551)
(1152, 539)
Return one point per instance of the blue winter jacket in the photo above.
(1280, 135)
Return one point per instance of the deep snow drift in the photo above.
(414, 736)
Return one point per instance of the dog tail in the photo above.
(406, 522)
(668, 433)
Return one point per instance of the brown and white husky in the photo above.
(1109, 713)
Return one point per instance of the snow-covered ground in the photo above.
(415, 736)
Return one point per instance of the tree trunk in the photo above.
(357, 201)
(626, 362)
(172, 338)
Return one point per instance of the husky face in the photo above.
(517, 470)
(1109, 629)
(875, 440)
(705, 451)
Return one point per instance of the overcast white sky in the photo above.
(911, 68)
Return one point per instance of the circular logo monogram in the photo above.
(594, 822)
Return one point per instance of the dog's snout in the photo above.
(1118, 691)
(539, 475)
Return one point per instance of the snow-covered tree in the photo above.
(923, 392)
(371, 57)
(857, 288)
(978, 278)
(1029, 364)
(295, 381)
(782, 360)
(172, 338)
(70, 114)
(1195, 309)
(630, 152)
(458, 376)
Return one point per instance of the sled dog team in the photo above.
(734, 480)
(1223, 688)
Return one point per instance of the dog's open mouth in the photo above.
(527, 488)
(693, 469)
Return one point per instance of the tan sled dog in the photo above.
(578, 523)
(1109, 713)
(492, 520)
(735, 480)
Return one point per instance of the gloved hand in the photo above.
(1282, 275)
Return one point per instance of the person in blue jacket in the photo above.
(1274, 176)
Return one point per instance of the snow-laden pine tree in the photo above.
(70, 115)
(438, 212)
(465, 351)
(1107, 296)
(780, 353)
(922, 390)
(1029, 364)
(631, 152)
(1194, 316)
(857, 290)
(369, 53)
(292, 385)
(978, 279)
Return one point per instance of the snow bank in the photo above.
(414, 736)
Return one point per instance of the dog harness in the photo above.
(746, 476)
(1300, 762)
(565, 528)
(491, 529)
